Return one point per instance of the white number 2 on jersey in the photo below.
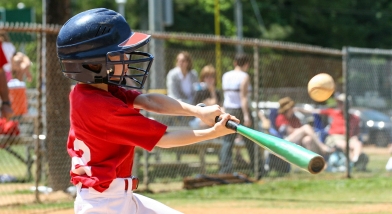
(81, 161)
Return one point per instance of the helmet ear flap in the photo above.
(96, 68)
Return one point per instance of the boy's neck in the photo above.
(102, 86)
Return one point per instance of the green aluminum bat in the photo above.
(288, 151)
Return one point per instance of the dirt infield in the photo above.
(231, 207)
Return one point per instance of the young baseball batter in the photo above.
(98, 49)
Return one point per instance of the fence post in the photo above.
(256, 98)
(346, 58)
(37, 122)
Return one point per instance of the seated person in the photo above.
(292, 129)
(206, 90)
(337, 132)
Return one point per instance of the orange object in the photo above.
(18, 98)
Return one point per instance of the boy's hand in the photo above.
(208, 113)
(221, 125)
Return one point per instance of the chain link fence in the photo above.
(37, 168)
(369, 84)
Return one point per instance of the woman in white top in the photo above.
(236, 90)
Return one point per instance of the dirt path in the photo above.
(251, 208)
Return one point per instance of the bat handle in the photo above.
(230, 124)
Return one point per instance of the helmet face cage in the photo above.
(128, 69)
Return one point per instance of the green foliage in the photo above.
(333, 23)
(277, 32)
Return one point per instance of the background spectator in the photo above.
(236, 90)
(292, 130)
(337, 132)
(206, 92)
(18, 64)
(21, 67)
(6, 110)
(180, 80)
(9, 51)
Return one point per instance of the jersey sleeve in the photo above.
(133, 128)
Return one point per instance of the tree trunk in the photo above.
(57, 103)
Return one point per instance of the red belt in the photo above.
(135, 184)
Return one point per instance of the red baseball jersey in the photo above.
(3, 59)
(105, 128)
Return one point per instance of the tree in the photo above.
(57, 104)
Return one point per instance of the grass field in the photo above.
(298, 192)
(303, 196)
(10, 165)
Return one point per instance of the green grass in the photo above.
(305, 193)
(311, 193)
(361, 189)
(297, 190)
(12, 166)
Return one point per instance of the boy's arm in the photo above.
(183, 138)
(163, 104)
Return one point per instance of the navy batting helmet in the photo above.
(91, 43)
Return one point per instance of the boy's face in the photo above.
(118, 68)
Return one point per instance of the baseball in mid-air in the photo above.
(321, 87)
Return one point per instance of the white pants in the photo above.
(115, 200)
